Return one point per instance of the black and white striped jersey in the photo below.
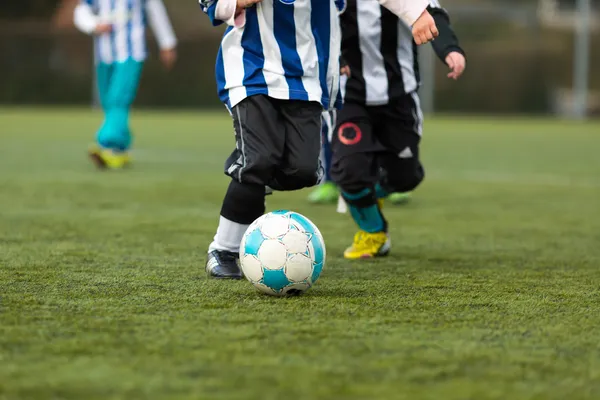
(381, 53)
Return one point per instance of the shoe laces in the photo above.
(225, 257)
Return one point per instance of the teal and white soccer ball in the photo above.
(282, 253)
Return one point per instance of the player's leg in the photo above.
(115, 136)
(259, 148)
(127, 79)
(326, 192)
(300, 167)
(408, 112)
(356, 171)
(402, 175)
(104, 74)
(103, 78)
(400, 133)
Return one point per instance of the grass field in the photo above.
(492, 291)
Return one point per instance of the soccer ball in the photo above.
(282, 253)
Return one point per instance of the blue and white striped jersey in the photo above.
(286, 49)
(129, 19)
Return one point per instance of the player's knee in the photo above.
(259, 173)
(258, 170)
(406, 178)
(302, 176)
(308, 176)
(351, 174)
(262, 167)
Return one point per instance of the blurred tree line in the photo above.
(514, 66)
(18, 9)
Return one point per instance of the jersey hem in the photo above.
(234, 97)
(377, 103)
(121, 60)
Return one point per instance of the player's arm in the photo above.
(163, 31)
(415, 14)
(344, 67)
(86, 21)
(231, 12)
(446, 46)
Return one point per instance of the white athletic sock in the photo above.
(229, 236)
(342, 207)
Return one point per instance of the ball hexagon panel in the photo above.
(252, 268)
(275, 279)
(302, 222)
(274, 226)
(299, 267)
(295, 241)
(272, 254)
(252, 241)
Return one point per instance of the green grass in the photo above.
(492, 291)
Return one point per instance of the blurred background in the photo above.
(524, 57)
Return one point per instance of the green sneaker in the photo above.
(326, 193)
(399, 198)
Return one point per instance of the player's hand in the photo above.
(168, 58)
(424, 29)
(345, 70)
(103, 28)
(242, 4)
(457, 64)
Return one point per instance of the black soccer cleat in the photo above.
(223, 265)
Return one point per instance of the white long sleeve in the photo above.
(84, 18)
(225, 11)
(160, 24)
(408, 10)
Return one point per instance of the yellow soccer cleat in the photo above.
(368, 245)
(109, 159)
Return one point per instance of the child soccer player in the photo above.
(445, 46)
(119, 30)
(277, 69)
(376, 141)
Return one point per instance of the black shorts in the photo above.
(278, 143)
(391, 127)
(371, 143)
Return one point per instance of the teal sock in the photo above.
(380, 192)
(365, 211)
(368, 219)
(115, 133)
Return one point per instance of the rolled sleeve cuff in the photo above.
(408, 10)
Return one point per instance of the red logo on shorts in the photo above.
(349, 133)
